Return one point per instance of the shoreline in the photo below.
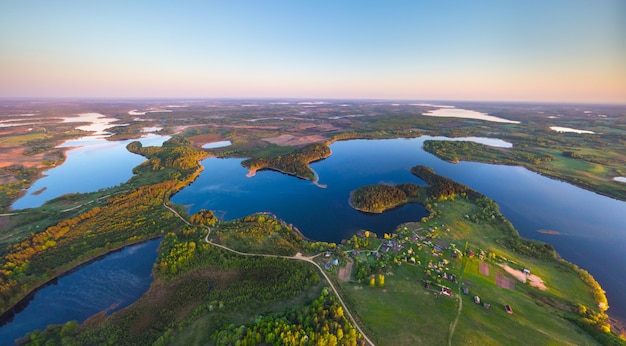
(67, 272)
(545, 174)
(252, 171)
(29, 295)
(408, 200)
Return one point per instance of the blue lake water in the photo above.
(110, 283)
(592, 228)
(93, 164)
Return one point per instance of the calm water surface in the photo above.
(591, 226)
(110, 283)
(93, 164)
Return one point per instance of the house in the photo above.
(446, 291)
(442, 244)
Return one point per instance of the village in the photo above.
(367, 259)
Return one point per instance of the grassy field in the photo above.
(21, 139)
(405, 312)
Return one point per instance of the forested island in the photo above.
(214, 292)
(381, 197)
(204, 293)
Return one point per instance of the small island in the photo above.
(381, 197)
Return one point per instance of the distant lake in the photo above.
(110, 283)
(219, 144)
(93, 163)
(591, 226)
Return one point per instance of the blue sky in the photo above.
(572, 51)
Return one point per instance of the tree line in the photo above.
(295, 163)
(321, 323)
(380, 197)
(455, 151)
(441, 187)
(127, 217)
(210, 283)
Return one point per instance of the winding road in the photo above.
(296, 257)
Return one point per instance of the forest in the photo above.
(464, 150)
(321, 323)
(295, 163)
(135, 213)
(259, 233)
(442, 187)
(197, 282)
(378, 198)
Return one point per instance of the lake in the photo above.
(93, 163)
(110, 283)
(591, 226)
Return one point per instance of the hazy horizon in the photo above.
(533, 51)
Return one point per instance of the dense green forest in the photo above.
(295, 163)
(321, 323)
(465, 150)
(135, 213)
(260, 233)
(378, 198)
(196, 284)
(442, 187)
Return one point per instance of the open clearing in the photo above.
(291, 140)
(344, 272)
(533, 279)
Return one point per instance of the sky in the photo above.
(531, 50)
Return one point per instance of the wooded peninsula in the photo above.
(255, 280)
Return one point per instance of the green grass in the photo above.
(199, 331)
(23, 139)
(404, 312)
(532, 323)
(563, 282)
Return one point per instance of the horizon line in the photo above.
(276, 98)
